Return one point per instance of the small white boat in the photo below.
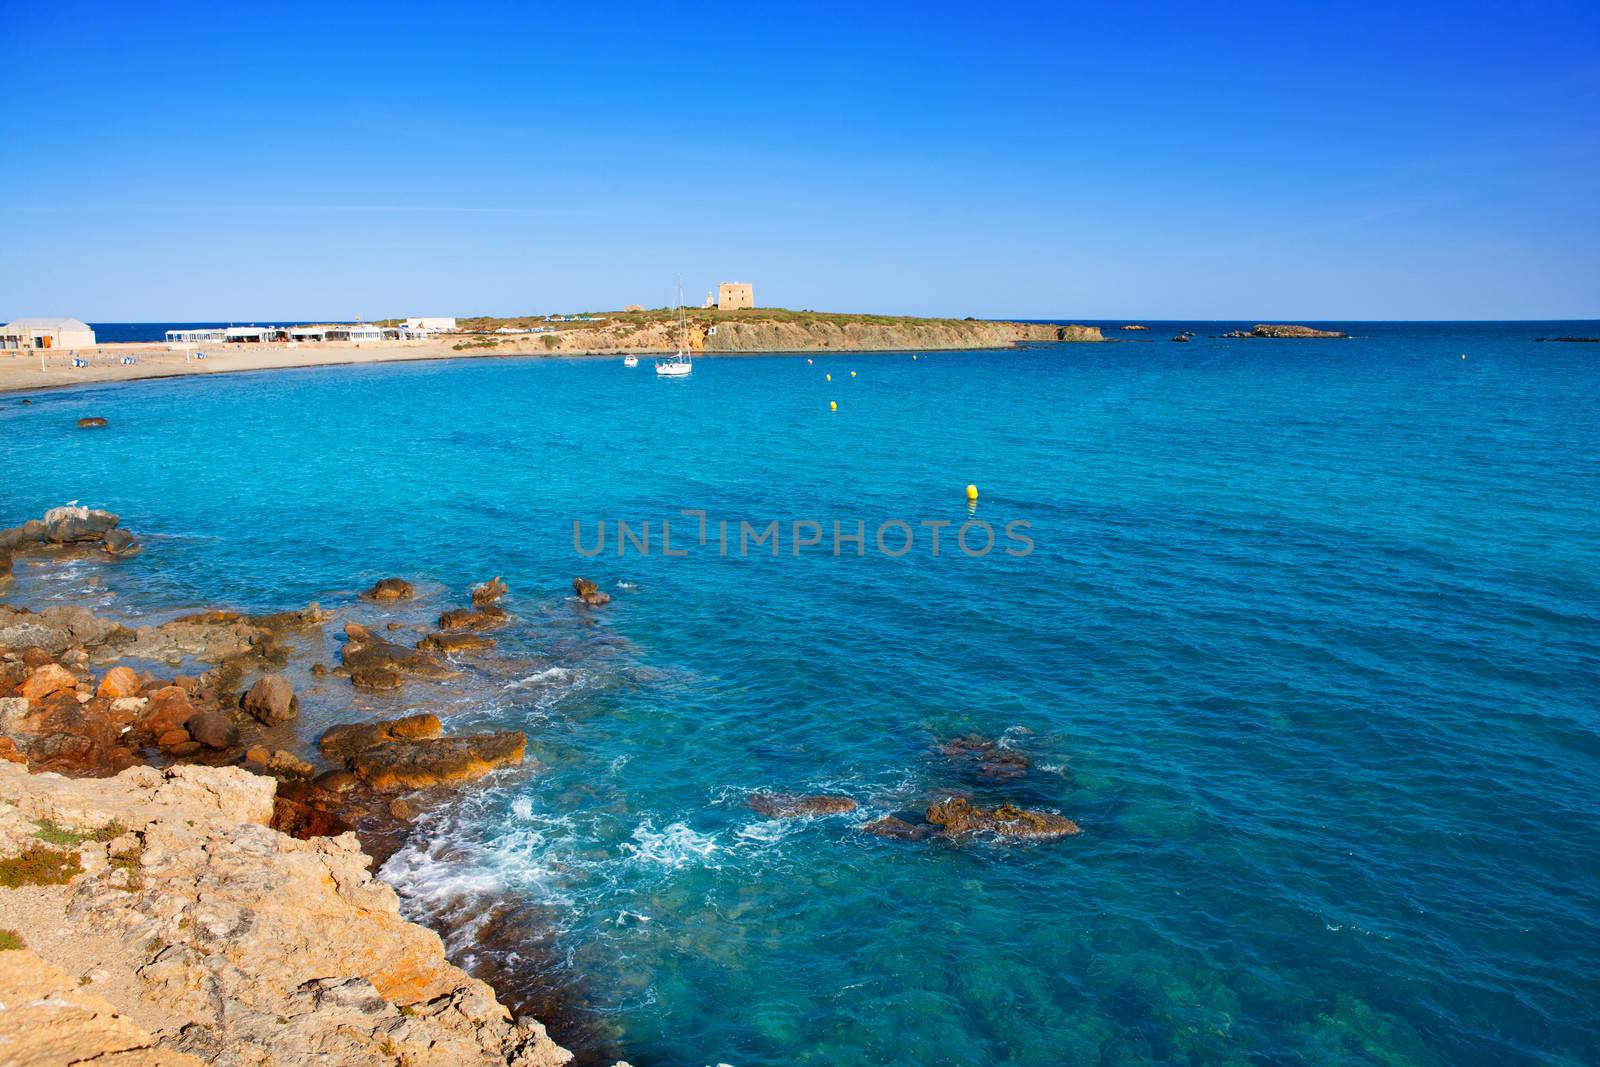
(679, 365)
(630, 361)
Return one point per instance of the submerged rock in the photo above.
(793, 805)
(986, 757)
(92, 422)
(897, 828)
(378, 664)
(390, 589)
(441, 761)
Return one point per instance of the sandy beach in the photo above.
(22, 371)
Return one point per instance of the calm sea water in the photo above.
(1309, 645)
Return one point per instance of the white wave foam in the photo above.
(675, 847)
(548, 676)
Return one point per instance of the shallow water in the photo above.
(1309, 645)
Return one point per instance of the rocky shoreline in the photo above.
(227, 887)
(163, 800)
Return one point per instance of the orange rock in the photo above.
(119, 682)
(8, 751)
(51, 678)
(169, 709)
(172, 738)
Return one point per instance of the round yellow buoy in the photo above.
(913, 359)
(827, 377)
(833, 405)
(972, 492)
(852, 374)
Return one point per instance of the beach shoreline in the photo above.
(21, 371)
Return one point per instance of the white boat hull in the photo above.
(673, 369)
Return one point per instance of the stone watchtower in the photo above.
(731, 296)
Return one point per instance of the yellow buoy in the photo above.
(833, 405)
(852, 374)
(972, 492)
(827, 377)
(913, 359)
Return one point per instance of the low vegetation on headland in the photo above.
(751, 330)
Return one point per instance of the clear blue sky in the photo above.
(169, 161)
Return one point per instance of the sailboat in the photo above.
(679, 365)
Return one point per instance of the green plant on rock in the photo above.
(11, 941)
(39, 866)
(53, 834)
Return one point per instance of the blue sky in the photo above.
(1095, 161)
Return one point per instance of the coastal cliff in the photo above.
(157, 913)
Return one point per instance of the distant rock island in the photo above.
(1135, 327)
(1260, 330)
(1572, 340)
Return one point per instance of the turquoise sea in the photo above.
(1308, 644)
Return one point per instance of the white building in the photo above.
(197, 337)
(46, 333)
(354, 332)
(435, 323)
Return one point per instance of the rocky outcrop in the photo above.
(255, 946)
(1135, 326)
(1260, 330)
(405, 764)
(55, 630)
(271, 700)
(795, 805)
(486, 617)
(47, 1018)
(455, 642)
(589, 593)
(67, 527)
(1079, 333)
(92, 422)
(488, 592)
(958, 816)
